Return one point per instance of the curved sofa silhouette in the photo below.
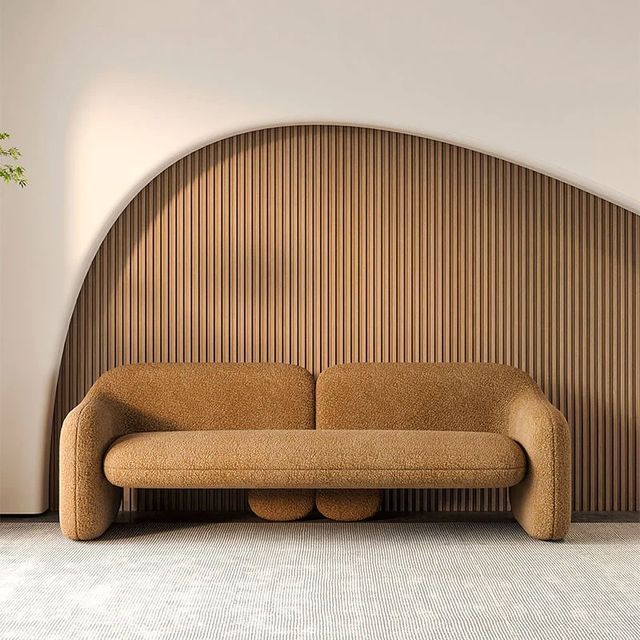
(293, 442)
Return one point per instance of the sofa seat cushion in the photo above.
(314, 459)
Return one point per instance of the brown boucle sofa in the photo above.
(294, 443)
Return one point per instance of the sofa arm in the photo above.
(541, 502)
(88, 501)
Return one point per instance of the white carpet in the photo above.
(319, 580)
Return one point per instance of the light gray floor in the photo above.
(320, 580)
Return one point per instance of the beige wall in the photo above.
(103, 95)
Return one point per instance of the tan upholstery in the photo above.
(435, 397)
(377, 426)
(348, 505)
(190, 397)
(314, 459)
(167, 397)
(463, 397)
(88, 501)
(281, 505)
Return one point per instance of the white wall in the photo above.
(101, 96)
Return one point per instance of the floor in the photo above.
(319, 580)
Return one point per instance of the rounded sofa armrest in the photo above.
(88, 501)
(541, 502)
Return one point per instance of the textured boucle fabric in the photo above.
(542, 501)
(89, 502)
(463, 397)
(377, 426)
(435, 397)
(189, 397)
(281, 505)
(167, 397)
(348, 505)
(314, 459)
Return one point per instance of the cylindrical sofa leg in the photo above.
(348, 505)
(281, 505)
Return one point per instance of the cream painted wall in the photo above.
(101, 96)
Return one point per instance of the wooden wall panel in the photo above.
(319, 245)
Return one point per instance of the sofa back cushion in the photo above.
(158, 397)
(447, 397)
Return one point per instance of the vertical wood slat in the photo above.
(323, 244)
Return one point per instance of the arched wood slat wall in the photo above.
(319, 245)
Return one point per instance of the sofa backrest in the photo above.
(210, 396)
(445, 397)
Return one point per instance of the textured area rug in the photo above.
(319, 580)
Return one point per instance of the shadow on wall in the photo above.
(318, 245)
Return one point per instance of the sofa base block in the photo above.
(281, 505)
(348, 505)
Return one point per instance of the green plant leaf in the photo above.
(11, 172)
